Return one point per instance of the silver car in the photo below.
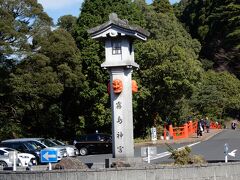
(71, 150)
(61, 151)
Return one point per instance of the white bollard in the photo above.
(148, 154)
(226, 158)
(50, 167)
(14, 161)
(226, 152)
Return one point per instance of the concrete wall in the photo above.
(220, 171)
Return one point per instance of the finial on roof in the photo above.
(113, 16)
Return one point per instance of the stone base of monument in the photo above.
(123, 162)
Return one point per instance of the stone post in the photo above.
(122, 116)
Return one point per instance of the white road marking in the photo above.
(233, 153)
(164, 154)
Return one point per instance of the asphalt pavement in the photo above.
(212, 147)
(160, 144)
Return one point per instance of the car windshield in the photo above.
(58, 142)
(35, 145)
(31, 146)
(47, 142)
(95, 137)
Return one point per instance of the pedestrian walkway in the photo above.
(193, 138)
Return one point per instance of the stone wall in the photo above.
(219, 171)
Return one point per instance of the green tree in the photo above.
(166, 79)
(35, 84)
(162, 6)
(65, 58)
(216, 24)
(10, 126)
(19, 22)
(47, 85)
(67, 22)
(179, 8)
(217, 93)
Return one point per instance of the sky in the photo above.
(58, 8)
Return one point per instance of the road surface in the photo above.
(212, 150)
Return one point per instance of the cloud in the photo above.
(59, 4)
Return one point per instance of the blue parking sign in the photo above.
(48, 156)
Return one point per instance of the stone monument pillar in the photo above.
(118, 37)
(122, 116)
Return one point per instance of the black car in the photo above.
(94, 143)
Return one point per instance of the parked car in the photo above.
(36, 144)
(24, 146)
(61, 150)
(5, 161)
(94, 143)
(23, 158)
(71, 150)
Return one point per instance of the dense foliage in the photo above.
(51, 82)
(19, 22)
(164, 73)
(217, 95)
(217, 25)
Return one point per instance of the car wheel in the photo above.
(4, 164)
(33, 161)
(83, 151)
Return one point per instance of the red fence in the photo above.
(215, 125)
(186, 130)
(179, 133)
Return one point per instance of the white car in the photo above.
(71, 150)
(5, 161)
(24, 159)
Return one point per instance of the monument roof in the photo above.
(118, 24)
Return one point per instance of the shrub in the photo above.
(183, 156)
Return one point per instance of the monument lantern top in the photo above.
(118, 37)
(116, 27)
